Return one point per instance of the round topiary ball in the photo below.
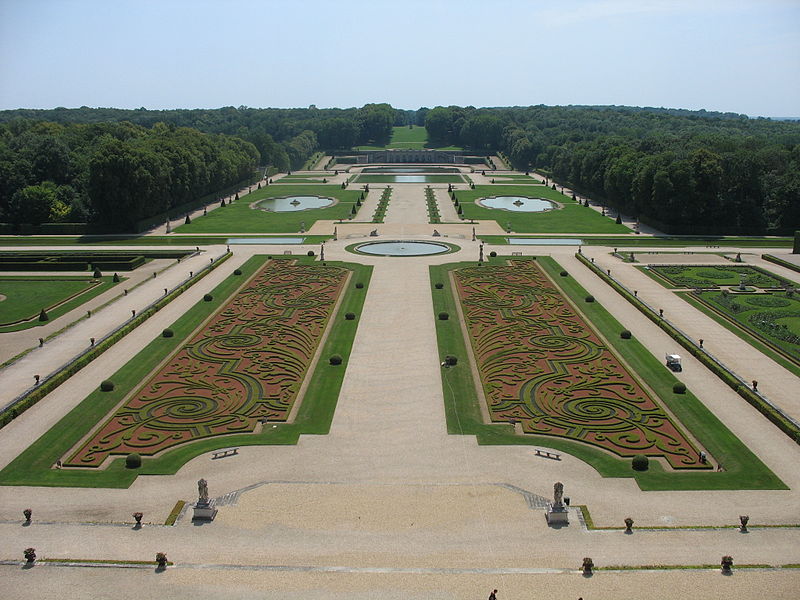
(564, 273)
(443, 316)
(167, 333)
(310, 253)
(590, 298)
(625, 334)
(115, 279)
(208, 297)
(679, 388)
(97, 274)
(133, 461)
(640, 463)
(107, 385)
(335, 359)
(237, 272)
(451, 360)
(492, 253)
(359, 285)
(350, 316)
(438, 286)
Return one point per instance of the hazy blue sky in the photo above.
(727, 55)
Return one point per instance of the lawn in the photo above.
(238, 217)
(668, 241)
(706, 276)
(33, 466)
(571, 218)
(408, 138)
(743, 470)
(136, 240)
(59, 294)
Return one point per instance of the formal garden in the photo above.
(760, 307)
(217, 385)
(570, 216)
(555, 365)
(34, 300)
(244, 215)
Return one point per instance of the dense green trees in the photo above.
(111, 174)
(681, 171)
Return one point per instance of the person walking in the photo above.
(493, 595)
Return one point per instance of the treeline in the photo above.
(680, 171)
(285, 138)
(111, 175)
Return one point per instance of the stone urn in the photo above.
(726, 563)
(628, 525)
(743, 519)
(28, 513)
(161, 560)
(138, 518)
(30, 554)
(587, 566)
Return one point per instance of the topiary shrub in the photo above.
(589, 298)
(115, 279)
(492, 253)
(563, 273)
(335, 359)
(43, 315)
(625, 334)
(350, 316)
(640, 463)
(107, 385)
(237, 272)
(310, 253)
(208, 297)
(438, 286)
(679, 388)
(359, 285)
(133, 461)
(450, 360)
(167, 333)
(443, 316)
(97, 274)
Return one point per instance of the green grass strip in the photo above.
(33, 466)
(173, 515)
(743, 470)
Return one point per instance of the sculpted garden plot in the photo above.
(245, 365)
(543, 366)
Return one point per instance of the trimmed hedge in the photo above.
(335, 359)
(443, 316)
(48, 385)
(133, 461)
(107, 385)
(438, 286)
(167, 333)
(350, 316)
(753, 398)
(450, 360)
(625, 334)
(679, 388)
(359, 285)
(640, 463)
(208, 297)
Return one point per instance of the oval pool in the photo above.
(294, 203)
(398, 248)
(517, 203)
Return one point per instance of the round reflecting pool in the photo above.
(294, 203)
(518, 203)
(397, 248)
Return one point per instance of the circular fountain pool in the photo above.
(518, 203)
(402, 248)
(294, 203)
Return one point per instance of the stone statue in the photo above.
(558, 494)
(202, 491)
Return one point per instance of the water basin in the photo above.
(266, 240)
(518, 203)
(294, 203)
(396, 248)
(516, 241)
(420, 169)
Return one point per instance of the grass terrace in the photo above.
(239, 217)
(571, 218)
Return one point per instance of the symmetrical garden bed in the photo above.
(712, 276)
(543, 366)
(245, 365)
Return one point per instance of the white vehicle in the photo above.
(674, 362)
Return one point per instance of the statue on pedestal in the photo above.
(558, 494)
(202, 492)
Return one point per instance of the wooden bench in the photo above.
(516, 254)
(547, 454)
(223, 453)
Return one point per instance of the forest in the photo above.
(681, 171)
(686, 172)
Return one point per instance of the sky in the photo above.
(720, 55)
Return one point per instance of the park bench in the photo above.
(547, 454)
(516, 254)
(223, 453)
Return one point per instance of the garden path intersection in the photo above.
(388, 504)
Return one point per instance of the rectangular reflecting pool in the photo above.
(516, 241)
(267, 240)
